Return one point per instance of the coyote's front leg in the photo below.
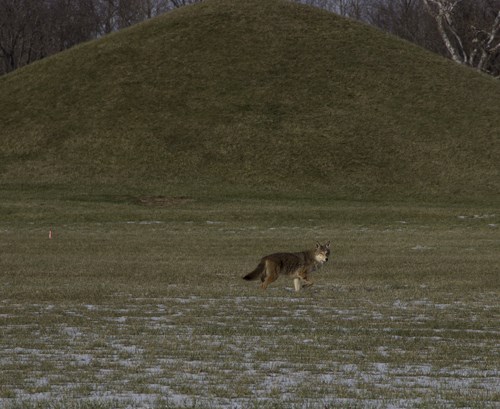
(301, 282)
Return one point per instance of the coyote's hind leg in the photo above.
(271, 273)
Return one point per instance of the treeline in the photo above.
(34, 29)
(468, 31)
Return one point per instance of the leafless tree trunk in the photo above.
(442, 12)
(486, 44)
(483, 45)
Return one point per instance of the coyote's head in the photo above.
(322, 252)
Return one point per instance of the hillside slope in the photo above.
(250, 96)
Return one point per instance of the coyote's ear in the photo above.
(327, 245)
(318, 245)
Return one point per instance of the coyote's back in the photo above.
(295, 265)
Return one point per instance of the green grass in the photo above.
(252, 97)
(128, 312)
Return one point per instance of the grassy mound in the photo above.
(247, 97)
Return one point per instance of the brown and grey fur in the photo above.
(295, 265)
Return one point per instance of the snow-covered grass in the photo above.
(155, 315)
(323, 347)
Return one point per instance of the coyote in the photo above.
(295, 265)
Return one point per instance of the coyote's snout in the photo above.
(295, 265)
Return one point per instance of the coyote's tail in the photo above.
(255, 274)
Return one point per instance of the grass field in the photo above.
(140, 303)
(169, 157)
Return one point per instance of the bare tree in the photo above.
(347, 8)
(117, 14)
(470, 32)
(152, 8)
(68, 22)
(20, 33)
(466, 30)
(181, 3)
(34, 29)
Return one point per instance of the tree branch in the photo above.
(442, 15)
